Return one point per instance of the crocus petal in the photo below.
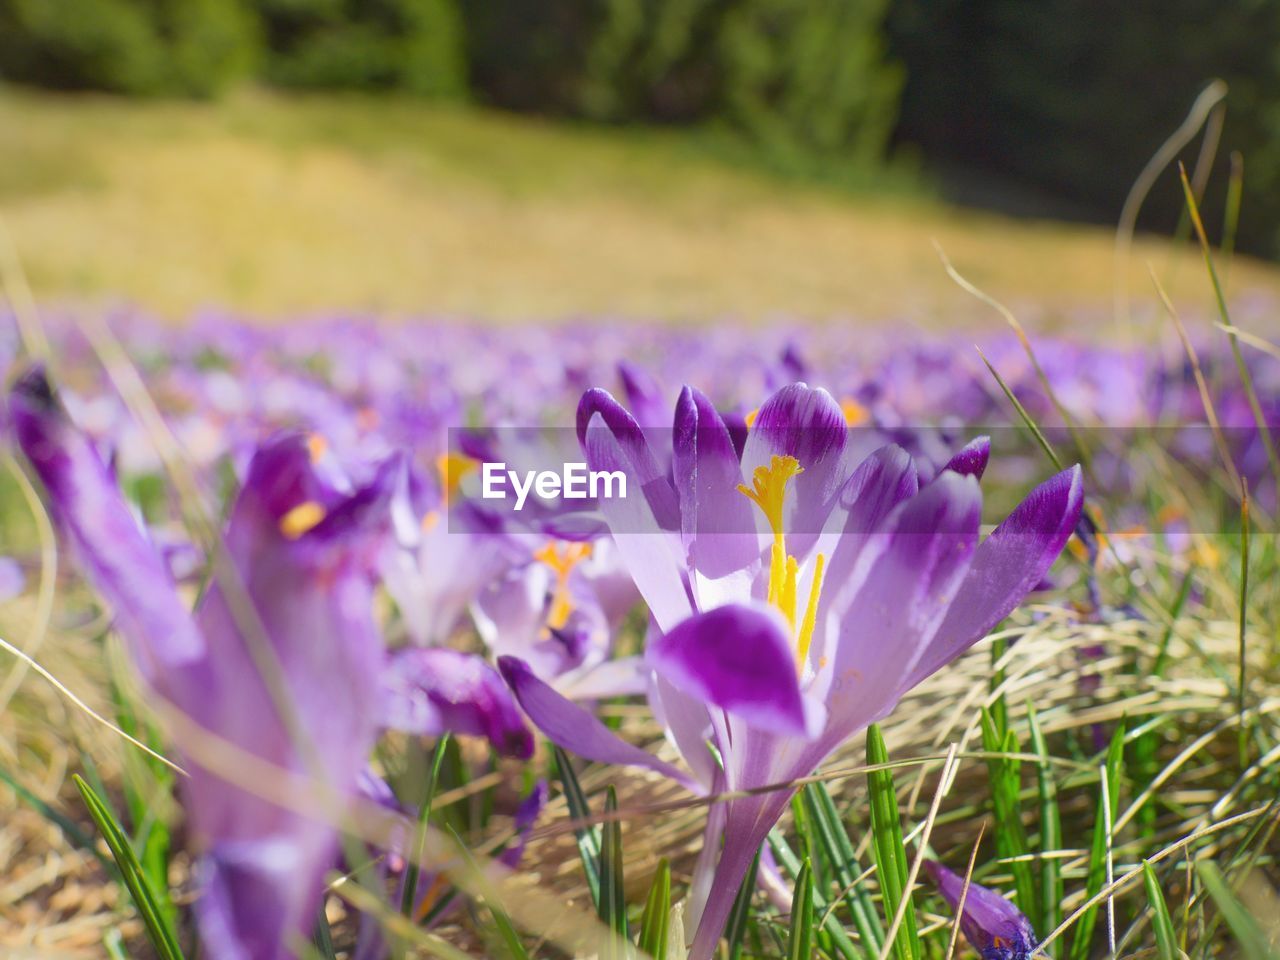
(717, 521)
(748, 822)
(741, 659)
(994, 927)
(882, 481)
(1006, 567)
(305, 596)
(687, 725)
(807, 424)
(577, 729)
(644, 396)
(646, 522)
(249, 903)
(905, 580)
(971, 459)
(619, 677)
(110, 546)
(526, 816)
(430, 691)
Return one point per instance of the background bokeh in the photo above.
(1044, 108)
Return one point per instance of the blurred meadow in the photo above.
(903, 649)
(273, 204)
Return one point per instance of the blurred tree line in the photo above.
(1067, 97)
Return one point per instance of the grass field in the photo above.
(1107, 756)
(274, 205)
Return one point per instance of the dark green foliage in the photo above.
(410, 45)
(796, 77)
(809, 77)
(1070, 99)
(142, 47)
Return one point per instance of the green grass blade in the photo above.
(1242, 684)
(1096, 875)
(838, 850)
(1246, 379)
(162, 937)
(1004, 777)
(510, 937)
(789, 862)
(506, 930)
(800, 941)
(1248, 933)
(1026, 418)
(146, 779)
(113, 943)
(1231, 214)
(890, 850)
(588, 835)
(1051, 887)
(655, 923)
(1161, 922)
(412, 874)
(613, 900)
(737, 925)
(323, 937)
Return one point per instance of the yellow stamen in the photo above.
(300, 519)
(768, 492)
(787, 601)
(769, 488)
(810, 613)
(750, 418)
(317, 446)
(438, 886)
(855, 414)
(777, 571)
(453, 468)
(562, 563)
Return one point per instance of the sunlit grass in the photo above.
(274, 205)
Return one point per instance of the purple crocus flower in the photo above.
(994, 927)
(296, 606)
(777, 642)
(428, 691)
(558, 612)
(447, 554)
(12, 580)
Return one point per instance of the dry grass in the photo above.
(275, 205)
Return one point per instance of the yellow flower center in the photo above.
(855, 414)
(768, 491)
(453, 468)
(300, 519)
(562, 560)
(317, 446)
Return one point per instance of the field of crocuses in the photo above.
(864, 640)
